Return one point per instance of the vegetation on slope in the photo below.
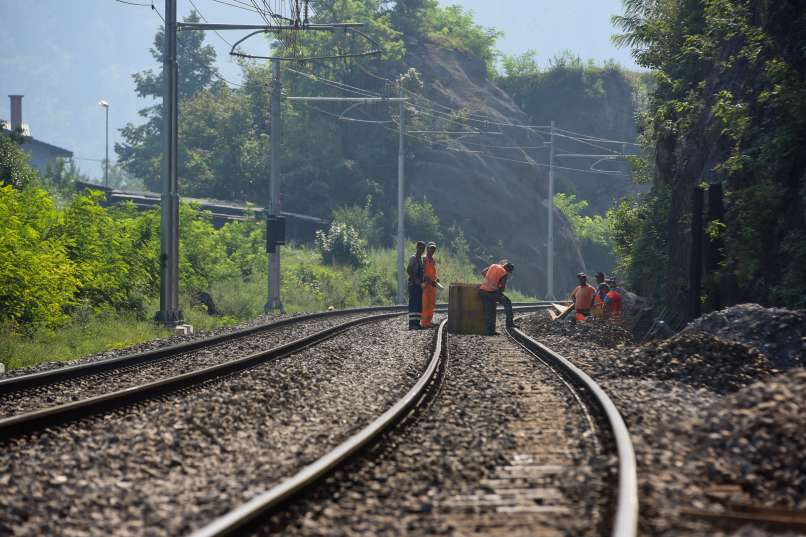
(730, 108)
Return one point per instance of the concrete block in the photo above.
(183, 330)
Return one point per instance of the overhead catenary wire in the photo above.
(476, 118)
(333, 83)
(201, 15)
(244, 7)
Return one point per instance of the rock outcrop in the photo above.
(499, 199)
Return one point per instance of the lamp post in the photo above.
(106, 160)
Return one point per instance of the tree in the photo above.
(14, 167)
(140, 153)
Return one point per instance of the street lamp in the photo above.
(106, 160)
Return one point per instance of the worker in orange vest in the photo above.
(430, 282)
(612, 301)
(492, 292)
(582, 297)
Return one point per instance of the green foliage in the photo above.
(364, 220)
(140, 151)
(61, 175)
(422, 223)
(102, 253)
(38, 281)
(453, 27)
(731, 92)
(341, 245)
(583, 97)
(523, 65)
(593, 232)
(14, 167)
(641, 241)
(587, 228)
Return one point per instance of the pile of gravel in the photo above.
(696, 359)
(756, 439)
(598, 332)
(777, 332)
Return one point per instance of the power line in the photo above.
(333, 83)
(244, 7)
(342, 118)
(192, 3)
(134, 3)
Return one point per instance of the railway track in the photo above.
(529, 482)
(72, 385)
(167, 465)
(21, 393)
(196, 385)
(78, 394)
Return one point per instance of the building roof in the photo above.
(28, 139)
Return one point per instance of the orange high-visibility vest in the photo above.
(492, 278)
(429, 291)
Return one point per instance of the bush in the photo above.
(368, 224)
(341, 245)
(422, 223)
(14, 167)
(38, 281)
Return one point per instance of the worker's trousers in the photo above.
(488, 300)
(415, 305)
(429, 304)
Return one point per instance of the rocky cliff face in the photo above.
(737, 123)
(498, 198)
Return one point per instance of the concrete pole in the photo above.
(550, 241)
(274, 302)
(169, 313)
(106, 160)
(401, 205)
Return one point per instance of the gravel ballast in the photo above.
(126, 377)
(778, 333)
(169, 466)
(715, 422)
(499, 451)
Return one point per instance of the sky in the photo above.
(65, 56)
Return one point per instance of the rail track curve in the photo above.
(625, 519)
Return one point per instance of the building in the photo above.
(41, 153)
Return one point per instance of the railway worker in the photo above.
(598, 309)
(430, 282)
(600, 279)
(415, 271)
(613, 302)
(582, 296)
(492, 292)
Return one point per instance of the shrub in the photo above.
(422, 222)
(368, 224)
(37, 279)
(341, 245)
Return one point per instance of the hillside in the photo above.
(500, 205)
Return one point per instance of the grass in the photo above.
(307, 285)
(79, 338)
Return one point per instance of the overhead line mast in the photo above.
(169, 312)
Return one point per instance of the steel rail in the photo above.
(53, 376)
(36, 420)
(242, 516)
(625, 523)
